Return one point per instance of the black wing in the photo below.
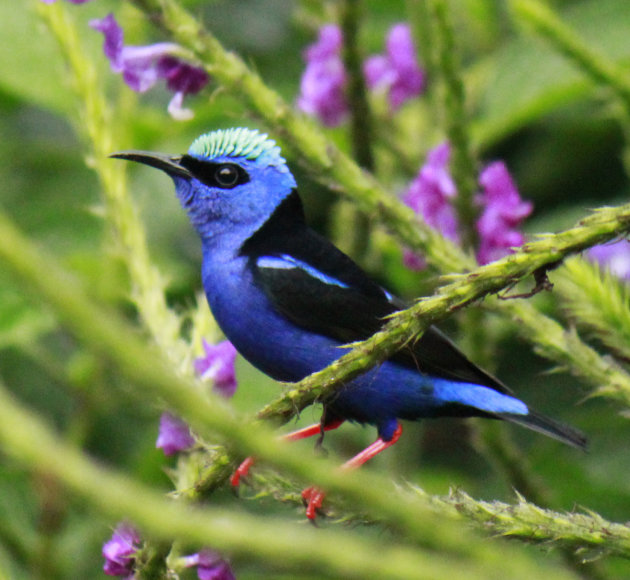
(317, 287)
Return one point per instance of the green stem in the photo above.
(100, 130)
(420, 19)
(533, 257)
(296, 547)
(598, 302)
(463, 165)
(573, 533)
(360, 114)
(537, 525)
(554, 342)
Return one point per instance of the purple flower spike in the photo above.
(429, 195)
(119, 552)
(72, 1)
(143, 66)
(174, 435)
(503, 212)
(322, 88)
(614, 256)
(397, 71)
(217, 365)
(210, 566)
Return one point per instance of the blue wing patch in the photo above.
(285, 262)
(482, 398)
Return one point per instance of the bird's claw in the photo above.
(313, 498)
(241, 471)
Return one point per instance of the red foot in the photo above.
(372, 450)
(241, 471)
(314, 498)
(311, 430)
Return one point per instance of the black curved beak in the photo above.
(168, 163)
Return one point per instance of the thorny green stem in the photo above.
(98, 128)
(598, 301)
(330, 553)
(587, 533)
(404, 326)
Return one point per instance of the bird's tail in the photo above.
(547, 426)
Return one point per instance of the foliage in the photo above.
(100, 317)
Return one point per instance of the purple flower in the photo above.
(174, 435)
(322, 88)
(503, 211)
(119, 552)
(143, 66)
(210, 566)
(73, 1)
(429, 195)
(217, 365)
(396, 71)
(614, 256)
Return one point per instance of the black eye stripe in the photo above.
(215, 174)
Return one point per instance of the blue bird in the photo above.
(288, 299)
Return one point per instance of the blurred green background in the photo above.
(558, 133)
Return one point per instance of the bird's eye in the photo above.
(226, 175)
(222, 175)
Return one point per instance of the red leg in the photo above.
(372, 450)
(315, 496)
(311, 430)
(243, 469)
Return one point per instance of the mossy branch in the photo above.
(590, 535)
(405, 326)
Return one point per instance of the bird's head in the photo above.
(229, 180)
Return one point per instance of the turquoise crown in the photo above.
(238, 143)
